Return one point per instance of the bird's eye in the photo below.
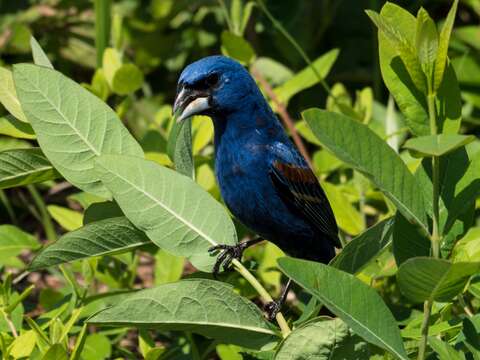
(212, 79)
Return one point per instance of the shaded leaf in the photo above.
(105, 237)
(408, 240)
(13, 241)
(207, 307)
(370, 318)
(179, 147)
(365, 247)
(39, 56)
(72, 125)
(175, 213)
(424, 278)
(10, 126)
(68, 219)
(24, 166)
(237, 47)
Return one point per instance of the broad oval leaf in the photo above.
(237, 47)
(206, 307)
(365, 247)
(360, 147)
(368, 317)
(24, 166)
(105, 237)
(426, 278)
(127, 79)
(436, 145)
(322, 339)
(72, 125)
(175, 213)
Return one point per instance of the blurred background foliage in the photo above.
(148, 43)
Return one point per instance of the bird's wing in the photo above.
(299, 187)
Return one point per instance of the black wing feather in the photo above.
(299, 187)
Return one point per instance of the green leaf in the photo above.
(322, 339)
(39, 56)
(72, 125)
(237, 47)
(13, 241)
(127, 79)
(426, 42)
(306, 78)
(425, 278)
(10, 126)
(55, 352)
(206, 307)
(23, 345)
(369, 318)
(97, 347)
(442, 54)
(179, 147)
(364, 248)
(371, 156)
(408, 240)
(112, 61)
(444, 350)
(175, 213)
(391, 30)
(24, 166)
(8, 95)
(436, 145)
(68, 219)
(348, 217)
(105, 237)
(168, 267)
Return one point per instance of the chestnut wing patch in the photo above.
(299, 187)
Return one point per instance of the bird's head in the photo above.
(212, 85)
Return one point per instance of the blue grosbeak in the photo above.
(263, 179)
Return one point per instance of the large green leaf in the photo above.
(24, 166)
(360, 147)
(306, 78)
(442, 54)
(206, 307)
(322, 339)
(13, 241)
(8, 95)
(426, 278)
(365, 247)
(110, 236)
(72, 125)
(436, 145)
(176, 214)
(368, 317)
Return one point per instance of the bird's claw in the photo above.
(272, 308)
(226, 256)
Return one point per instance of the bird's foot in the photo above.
(272, 309)
(228, 253)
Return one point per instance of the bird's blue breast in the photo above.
(242, 165)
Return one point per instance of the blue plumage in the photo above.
(263, 179)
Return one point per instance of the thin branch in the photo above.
(283, 113)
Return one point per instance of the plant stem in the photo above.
(6, 203)
(102, 28)
(297, 47)
(242, 270)
(427, 309)
(45, 216)
(9, 323)
(225, 13)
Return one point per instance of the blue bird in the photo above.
(263, 179)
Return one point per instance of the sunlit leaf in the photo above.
(8, 95)
(72, 125)
(10, 126)
(206, 307)
(39, 56)
(176, 214)
(13, 241)
(370, 318)
(69, 219)
(237, 47)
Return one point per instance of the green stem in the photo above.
(8, 206)
(194, 349)
(242, 270)
(427, 310)
(45, 216)
(102, 28)
(297, 47)
(225, 13)
(10, 324)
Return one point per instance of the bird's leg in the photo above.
(230, 252)
(273, 307)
